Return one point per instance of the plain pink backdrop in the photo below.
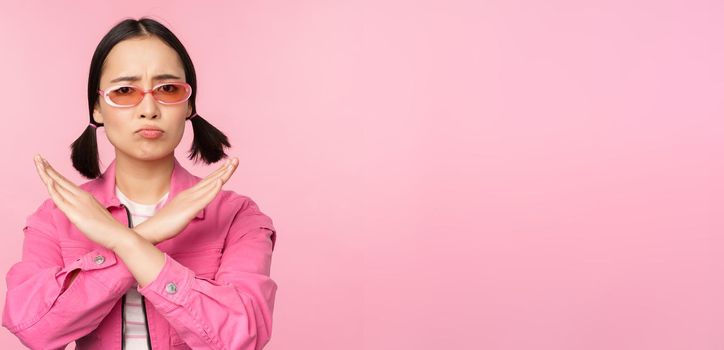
(442, 174)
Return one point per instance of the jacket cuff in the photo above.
(104, 266)
(171, 288)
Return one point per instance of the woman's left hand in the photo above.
(81, 208)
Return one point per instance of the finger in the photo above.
(227, 174)
(55, 196)
(223, 176)
(202, 192)
(210, 191)
(214, 174)
(67, 196)
(217, 187)
(231, 169)
(59, 201)
(41, 172)
(209, 180)
(60, 180)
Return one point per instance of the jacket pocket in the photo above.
(204, 262)
(72, 250)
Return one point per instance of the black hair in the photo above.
(208, 143)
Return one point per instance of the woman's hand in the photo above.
(176, 214)
(81, 208)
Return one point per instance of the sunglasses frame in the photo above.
(104, 93)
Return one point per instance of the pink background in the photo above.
(442, 174)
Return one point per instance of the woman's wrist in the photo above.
(143, 260)
(124, 238)
(143, 231)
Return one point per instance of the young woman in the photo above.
(144, 255)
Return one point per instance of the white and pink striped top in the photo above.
(135, 321)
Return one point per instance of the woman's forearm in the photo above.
(143, 230)
(142, 258)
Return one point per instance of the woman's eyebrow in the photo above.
(136, 78)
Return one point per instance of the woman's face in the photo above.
(143, 58)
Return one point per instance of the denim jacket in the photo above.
(213, 292)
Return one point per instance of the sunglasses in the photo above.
(131, 95)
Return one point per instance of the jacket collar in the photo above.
(104, 187)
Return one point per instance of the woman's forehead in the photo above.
(142, 59)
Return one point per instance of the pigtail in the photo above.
(84, 153)
(208, 143)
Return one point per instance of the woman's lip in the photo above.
(150, 133)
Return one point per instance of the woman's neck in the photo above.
(143, 181)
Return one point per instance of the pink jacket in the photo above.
(214, 291)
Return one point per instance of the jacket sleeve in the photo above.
(233, 310)
(40, 308)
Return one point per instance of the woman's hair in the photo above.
(208, 143)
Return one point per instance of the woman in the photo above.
(144, 255)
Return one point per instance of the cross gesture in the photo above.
(94, 220)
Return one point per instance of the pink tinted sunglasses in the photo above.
(131, 95)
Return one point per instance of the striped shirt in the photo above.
(134, 316)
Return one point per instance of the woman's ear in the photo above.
(97, 116)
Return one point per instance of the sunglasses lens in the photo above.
(172, 93)
(125, 95)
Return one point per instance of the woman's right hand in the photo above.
(173, 217)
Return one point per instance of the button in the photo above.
(171, 288)
(99, 259)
